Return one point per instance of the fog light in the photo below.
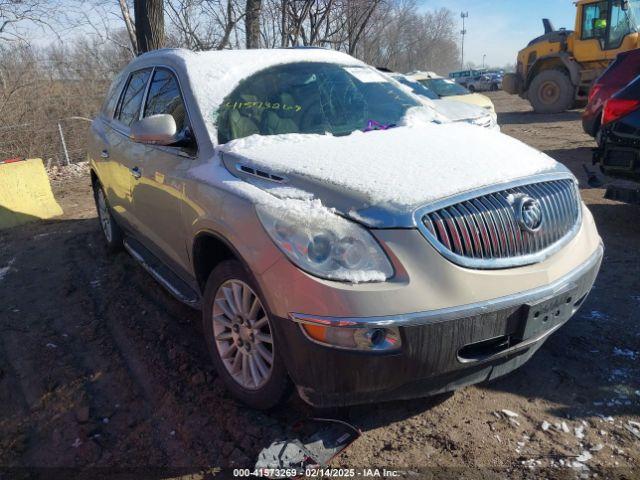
(354, 337)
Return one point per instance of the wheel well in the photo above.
(209, 251)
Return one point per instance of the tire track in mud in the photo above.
(73, 360)
(138, 314)
(98, 301)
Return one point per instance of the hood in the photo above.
(379, 178)
(476, 99)
(457, 111)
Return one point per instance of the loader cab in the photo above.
(605, 28)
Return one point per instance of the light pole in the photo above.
(464, 16)
(484, 55)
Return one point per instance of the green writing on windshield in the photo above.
(261, 106)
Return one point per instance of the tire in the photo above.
(494, 87)
(111, 230)
(472, 89)
(551, 91)
(242, 340)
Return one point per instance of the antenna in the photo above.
(464, 16)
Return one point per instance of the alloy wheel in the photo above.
(242, 334)
(105, 216)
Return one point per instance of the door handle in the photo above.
(135, 171)
(104, 154)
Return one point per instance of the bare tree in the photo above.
(131, 30)
(403, 39)
(204, 24)
(149, 22)
(18, 16)
(252, 23)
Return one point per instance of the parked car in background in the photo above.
(619, 151)
(621, 71)
(447, 88)
(334, 235)
(484, 83)
(454, 110)
(463, 77)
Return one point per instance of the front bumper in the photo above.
(442, 350)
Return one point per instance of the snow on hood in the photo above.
(399, 168)
(458, 111)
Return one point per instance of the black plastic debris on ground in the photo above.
(311, 443)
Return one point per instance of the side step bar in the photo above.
(162, 274)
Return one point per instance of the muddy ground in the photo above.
(99, 367)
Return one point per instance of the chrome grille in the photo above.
(486, 231)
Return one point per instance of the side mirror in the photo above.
(625, 5)
(158, 129)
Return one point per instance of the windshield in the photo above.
(416, 87)
(309, 97)
(444, 87)
(634, 15)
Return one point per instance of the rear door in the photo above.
(159, 192)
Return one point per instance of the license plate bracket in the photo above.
(547, 313)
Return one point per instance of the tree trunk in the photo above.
(149, 24)
(252, 23)
(124, 9)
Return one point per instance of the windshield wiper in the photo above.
(374, 125)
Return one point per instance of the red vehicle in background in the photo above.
(622, 71)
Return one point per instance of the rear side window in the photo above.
(164, 97)
(129, 108)
(112, 96)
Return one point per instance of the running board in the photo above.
(162, 274)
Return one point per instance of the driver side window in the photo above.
(164, 97)
(594, 20)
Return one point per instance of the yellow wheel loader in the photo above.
(555, 71)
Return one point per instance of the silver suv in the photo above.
(336, 233)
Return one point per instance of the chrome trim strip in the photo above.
(491, 196)
(462, 311)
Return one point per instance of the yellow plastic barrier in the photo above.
(25, 193)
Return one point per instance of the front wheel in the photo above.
(551, 91)
(241, 339)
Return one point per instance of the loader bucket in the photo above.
(25, 193)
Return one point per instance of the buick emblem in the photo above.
(529, 213)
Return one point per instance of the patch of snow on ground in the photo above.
(596, 315)
(625, 352)
(4, 270)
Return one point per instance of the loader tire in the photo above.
(551, 91)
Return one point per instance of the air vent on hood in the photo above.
(259, 173)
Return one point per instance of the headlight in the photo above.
(324, 244)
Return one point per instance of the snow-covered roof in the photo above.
(212, 75)
(420, 75)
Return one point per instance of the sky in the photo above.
(500, 28)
